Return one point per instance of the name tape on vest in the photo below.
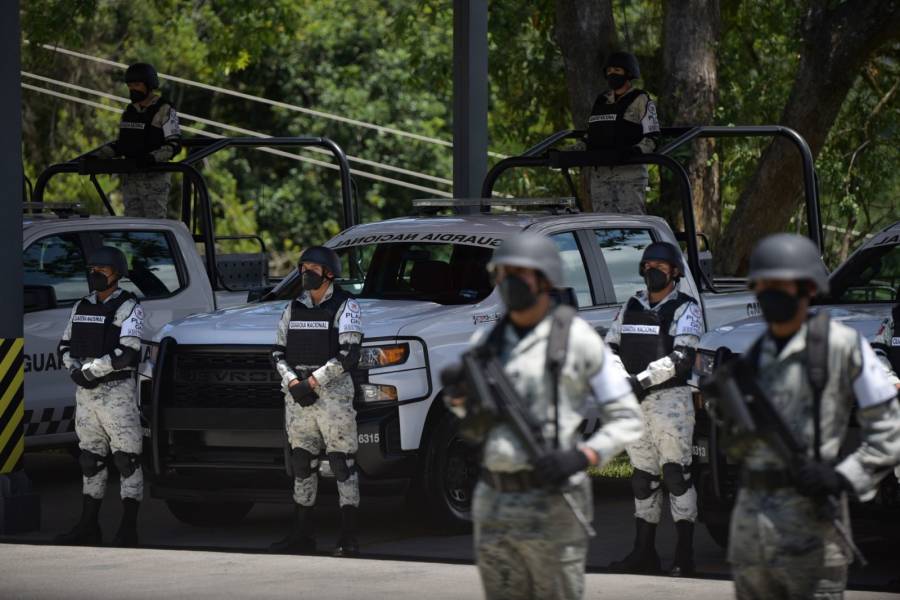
(601, 118)
(131, 125)
(641, 329)
(308, 325)
(89, 319)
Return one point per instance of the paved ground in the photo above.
(399, 548)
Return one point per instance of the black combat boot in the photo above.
(347, 544)
(683, 565)
(300, 539)
(87, 531)
(643, 557)
(127, 536)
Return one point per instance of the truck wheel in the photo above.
(209, 514)
(719, 533)
(451, 471)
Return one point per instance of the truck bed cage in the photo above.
(551, 205)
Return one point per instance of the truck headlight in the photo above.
(378, 393)
(372, 357)
(704, 363)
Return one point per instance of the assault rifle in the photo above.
(738, 398)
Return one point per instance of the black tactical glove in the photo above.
(817, 479)
(145, 160)
(303, 394)
(557, 466)
(639, 390)
(81, 379)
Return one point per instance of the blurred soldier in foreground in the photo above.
(101, 347)
(656, 335)
(524, 389)
(148, 133)
(317, 345)
(786, 404)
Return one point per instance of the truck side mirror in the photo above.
(565, 296)
(39, 297)
(256, 293)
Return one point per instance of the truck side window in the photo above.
(574, 270)
(874, 276)
(622, 249)
(57, 261)
(152, 271)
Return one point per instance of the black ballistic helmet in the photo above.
(664, 251)
(790, 257)
(531, 251)
(324, 256)
(107, 256)
(143, 72)
(626, 61)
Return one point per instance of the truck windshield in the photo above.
(873, 275)
(442, 273)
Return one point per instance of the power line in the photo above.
(240, 130)
(275, 103)
(274, 151)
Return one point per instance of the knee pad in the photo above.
(677, 478)
(342, 465)
(301, 463)
(642, 484)
(127, 463)
(91, 463)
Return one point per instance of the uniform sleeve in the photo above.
(614, 338)
(882, 345)
(618, 408)
(649, 123)
(64, 343)
(688, 327)
(278, 350)
(350, 334)
(878, 415)
(126, 355)
(167, 119)
(106, 151)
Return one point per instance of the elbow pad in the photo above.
(349, 356)
(683, 359)
(124, 357)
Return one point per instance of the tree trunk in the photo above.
(836, 44)
(586, 34)
(689, 96)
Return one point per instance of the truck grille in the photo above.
(206, 379)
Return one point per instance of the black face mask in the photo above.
(310, 280)
(137, 96)
(97, 282)
(778, 306)
(516, 294)
(655, 279)
(616, 81)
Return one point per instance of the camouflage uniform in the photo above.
(668, 414)
(106, 417)
(886, 342)
(529, 544)
(331, 421)
(781, 545)
(147, 194)
(623, 189)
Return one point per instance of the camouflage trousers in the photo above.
(529, 544)
(781, 546)
(329, 424)
(106, 421)
(619, 190)
(668, 431)
(146, 194)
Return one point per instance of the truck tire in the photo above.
(209, 514)
(719, 533)
(451, 471)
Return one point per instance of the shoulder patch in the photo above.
(691, 321)
(351, 318)
(133, 326)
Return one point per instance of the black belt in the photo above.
(115, 376)
(766, 480)
(518, 481)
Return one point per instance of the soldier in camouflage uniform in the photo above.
(655, 336)
(148, 133)
(623, 123)
(101, 348)
(782, 542)
(317, 345)
(887, 345)
(528, 542)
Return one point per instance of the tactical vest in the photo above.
(93, 331)
(137, 134)
(893, 351)
(312, 338)
(608, 129)
(645, 335)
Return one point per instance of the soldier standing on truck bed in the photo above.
(101, 347)
(148, 133)
(317, 345)
(623, 123)
(789, 527)
(656, 335)
(528, 542)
